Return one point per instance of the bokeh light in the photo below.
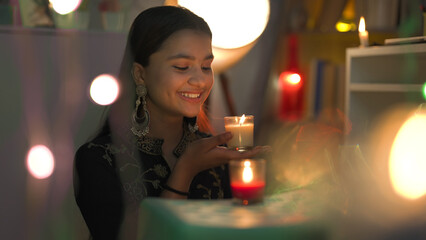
(342, 26)
(233, 23)
(65, 6)
(293, 78)
(289, 78)
(40, 162)
(407, 161)
(424, 91)
(104, 89)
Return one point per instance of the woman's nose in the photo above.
(198, 78)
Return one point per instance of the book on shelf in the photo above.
(325, 88)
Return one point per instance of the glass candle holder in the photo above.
(247, 180)
(242, 129)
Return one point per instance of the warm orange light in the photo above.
(361, 27)
(40, 162)
(247, 172)
(407, 161)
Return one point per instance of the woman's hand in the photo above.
(206, 153)
(203, 154)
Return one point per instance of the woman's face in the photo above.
(179, 75)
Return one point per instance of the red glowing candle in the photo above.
(291, 85)
(251, 190)
(247, 180)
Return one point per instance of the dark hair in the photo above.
(146, 36)
(153, 26)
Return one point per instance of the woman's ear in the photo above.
(138, 73)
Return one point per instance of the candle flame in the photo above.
(247, 172)
(361, 27)
(242, 119)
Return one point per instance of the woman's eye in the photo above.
(180, 68)
(209, 68)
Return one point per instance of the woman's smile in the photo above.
(191, 97)
(180, 91)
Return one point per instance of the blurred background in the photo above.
(329, 106)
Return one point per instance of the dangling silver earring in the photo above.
(140, 126)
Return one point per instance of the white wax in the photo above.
(363, 38)
(242, 135)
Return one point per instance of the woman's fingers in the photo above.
(217, 140)
(207, 153)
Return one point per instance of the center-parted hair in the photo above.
(152, 27)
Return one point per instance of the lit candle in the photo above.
(363, 33)
(247, 180)
(242, 130)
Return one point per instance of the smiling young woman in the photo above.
(151, 145)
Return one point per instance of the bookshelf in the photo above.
(327, 50)
(380, 78)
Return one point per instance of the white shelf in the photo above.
(386, 50)
(379, 78)
(377, 87)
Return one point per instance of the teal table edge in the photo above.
(276, 218)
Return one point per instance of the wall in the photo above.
(45, 75)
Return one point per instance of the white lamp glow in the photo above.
(234, 23)
(104, 89)
(40, 161)
(407, 161)
(65, 6)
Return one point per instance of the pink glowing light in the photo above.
(40, 162)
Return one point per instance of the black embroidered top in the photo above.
(108, 175)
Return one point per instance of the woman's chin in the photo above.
(191, 115)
